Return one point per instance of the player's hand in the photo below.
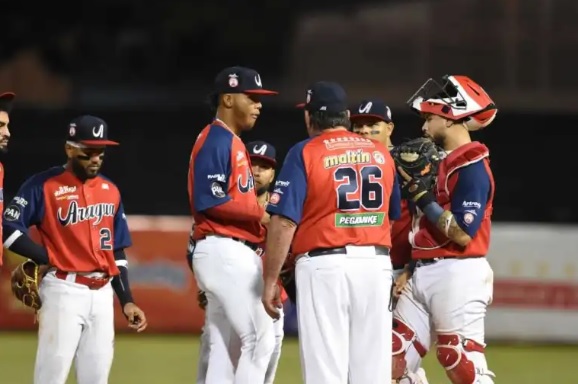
(272, 300)
(411, 189)
(400, 283)
(135, 316)
(202, 299)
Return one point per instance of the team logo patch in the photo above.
(468, 218)
(233, 80)
(217, 190)
(274, 198)
(378, 157)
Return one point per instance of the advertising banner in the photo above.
(535, 282)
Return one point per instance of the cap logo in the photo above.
(72, 130)
(388, 113)
(260, 150)
(233, 80)
(258, 81)
(366, 108)
(98, 132)
(308, 99)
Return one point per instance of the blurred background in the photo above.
(147, 68)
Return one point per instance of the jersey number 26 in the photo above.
(366, 181)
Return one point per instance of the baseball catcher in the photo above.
(25, 281)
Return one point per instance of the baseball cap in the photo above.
(6, 101)
(325, 96)
(262, 150)
(372, 108)
(240, 80)
(89, 130)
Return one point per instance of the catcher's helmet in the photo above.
(456, 98)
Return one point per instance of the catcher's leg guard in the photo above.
(452, 353)
(403, 337)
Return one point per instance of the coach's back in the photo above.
(348, 182)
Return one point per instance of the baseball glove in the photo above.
(25, 281)
(419, 158)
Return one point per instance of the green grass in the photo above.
(172, 359)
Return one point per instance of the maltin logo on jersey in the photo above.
(359, 219)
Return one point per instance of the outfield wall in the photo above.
(535, 298)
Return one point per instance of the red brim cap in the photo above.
(267, 159)
(260, 92)
(7, 96)
(379, 117)
(98, 143)
(301, 105)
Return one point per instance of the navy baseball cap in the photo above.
(6, 99)
(325, 96)
(372, 108)
(240, 80)
(264, 151)
(89, 130)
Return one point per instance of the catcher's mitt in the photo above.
(419, 158)
(25, 280)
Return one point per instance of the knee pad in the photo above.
(403, 337)
(451, 353)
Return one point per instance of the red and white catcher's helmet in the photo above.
(455, 98)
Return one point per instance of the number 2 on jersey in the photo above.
(364, 180)
(105, 239)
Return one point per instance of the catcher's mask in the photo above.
(456, 98)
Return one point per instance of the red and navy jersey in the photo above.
(465, 186)
(338, 187)
(80, 224)
(221, 188)
(1, 208)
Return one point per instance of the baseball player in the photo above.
(263, 160)
(6, 99)
(453, 279)
(80, 217)
(229, 227)
(372, 119)
(333, 193)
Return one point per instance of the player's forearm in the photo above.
(120, 282)
(443, 219)
(21, 244)
(236, 211)
(279, 236)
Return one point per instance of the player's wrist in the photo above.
(424, 199)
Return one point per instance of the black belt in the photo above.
(381, 251)
(424, 262)
(253, 246)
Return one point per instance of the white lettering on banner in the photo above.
(535, 283)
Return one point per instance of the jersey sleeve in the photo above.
(470, 197)
(121, 232)
(395, 199)
(291, 187)
(26, 209)
(212, 170)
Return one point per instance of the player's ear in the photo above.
(272, 176)
(227, 100)
(390, 127)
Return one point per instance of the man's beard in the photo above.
(79, 170)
